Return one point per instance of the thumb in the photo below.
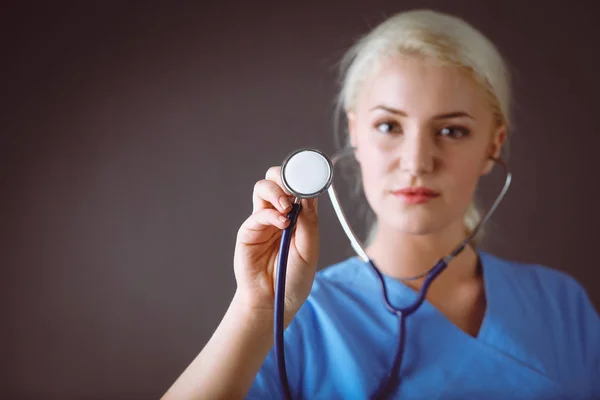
(311, 205)
(307, 230)
(308, 218)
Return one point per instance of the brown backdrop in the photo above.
(132, 136)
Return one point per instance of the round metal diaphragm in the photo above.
(306, 173)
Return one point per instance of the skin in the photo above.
(420, 150)
(418, 123)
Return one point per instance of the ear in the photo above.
(352, 133)
(495, 148)
(351, 127)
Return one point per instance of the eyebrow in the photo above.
(454, 114)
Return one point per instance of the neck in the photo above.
(401, 255)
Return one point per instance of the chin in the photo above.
(418, 229)
(414, 226)
(416, 223)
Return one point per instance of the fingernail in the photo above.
(285, 202)
(283, 219)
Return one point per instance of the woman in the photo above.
(426, 98)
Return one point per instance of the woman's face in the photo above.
(423, 133)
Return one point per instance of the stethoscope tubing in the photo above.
(401, 312)
(284, 250)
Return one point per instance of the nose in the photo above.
(417, 153)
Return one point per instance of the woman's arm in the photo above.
(230, 361)
(228, 364)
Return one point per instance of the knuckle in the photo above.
(266, 214)
(261, 187)
(260, 216)
(258, 184)
(240, 232)
(246, 222)
(269, 190)
(273, 173)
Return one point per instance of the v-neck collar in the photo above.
(401, 295)
(495, 346)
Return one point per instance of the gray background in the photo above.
(132, 136)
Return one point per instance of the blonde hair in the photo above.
(445, 38)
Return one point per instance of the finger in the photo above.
(306, 238)
(268, 194)
(310, 205)
(253, 229)
(274, 174)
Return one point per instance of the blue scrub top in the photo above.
(540, 339)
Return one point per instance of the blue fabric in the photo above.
(540, 339)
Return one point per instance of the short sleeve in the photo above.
(589, 334)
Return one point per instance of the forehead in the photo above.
(421, 86)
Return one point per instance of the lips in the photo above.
(416, 195)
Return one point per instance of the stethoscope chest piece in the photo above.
(306, 173)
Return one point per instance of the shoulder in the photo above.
(551, 313)
(338, 291)
(341, 297)
(347, 272)
(545, 294)
(341, 281)
(534, 279)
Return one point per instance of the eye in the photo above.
(388, 127)
(454, 132)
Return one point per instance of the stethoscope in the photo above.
(307, 173)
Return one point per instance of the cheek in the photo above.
(465, 174)
(373, 169)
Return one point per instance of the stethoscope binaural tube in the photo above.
(296, 170)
